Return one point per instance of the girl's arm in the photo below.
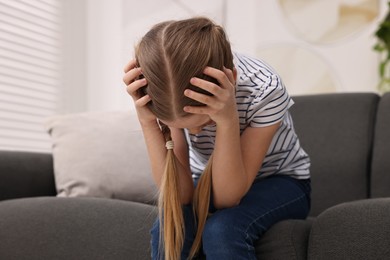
(154, 138)
(182, 155)
(236, 160)
(157, 151)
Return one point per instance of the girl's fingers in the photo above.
(204, 110)
(229, 74)
(202, 98)
(131, 75)
(143, 101)
(206, 85)
(133, 88)
(225, 78)
(130, 65)
(218, 75)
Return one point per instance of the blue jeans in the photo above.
(232, 232)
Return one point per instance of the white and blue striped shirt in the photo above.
(262, 100)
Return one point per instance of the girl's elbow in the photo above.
(225, 199)
(226, 203)
(187, 197)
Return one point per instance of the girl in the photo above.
(217, 121)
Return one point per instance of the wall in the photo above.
(74, 73)
(344, 63)
(321, 46)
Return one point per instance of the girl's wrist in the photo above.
(151, 124)
(229, 123)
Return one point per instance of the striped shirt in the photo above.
(262, 100)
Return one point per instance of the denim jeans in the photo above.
(232, 232)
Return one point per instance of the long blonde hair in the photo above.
(170, 54)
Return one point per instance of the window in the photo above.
(30, 71)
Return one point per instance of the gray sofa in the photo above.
(347, 136)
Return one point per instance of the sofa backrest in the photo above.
(26, 174)
(336, 130)
(380, 174)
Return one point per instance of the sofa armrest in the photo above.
(286, 239)
(75, 228)
(26, 174)
(354, 230)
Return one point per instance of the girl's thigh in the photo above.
(268, 201)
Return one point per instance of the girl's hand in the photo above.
(221, 107)
(134, 84)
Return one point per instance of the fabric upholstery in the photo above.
(336, 130)
(74, 228)
(101, 154)
(380, 182)
(353, 230)
(26, 174)
(285, 240)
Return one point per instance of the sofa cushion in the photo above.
(355, 230)
(285, 240)
(336, 130)
(26, 174)
(101, 154)
(380, 181)
(74, 228)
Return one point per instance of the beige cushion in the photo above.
(100, 154)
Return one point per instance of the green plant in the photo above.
(383, 47)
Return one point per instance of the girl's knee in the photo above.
(224, 237)
(155, 230)
(221, 229)
(188, 219)
(189, 222)
(155, 237)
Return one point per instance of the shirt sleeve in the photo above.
(269, 104)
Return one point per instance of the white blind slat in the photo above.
(43, 63)
(30, 71)
(18, 117)
(20, 126)
(21, 100)
(23, 144)
(28, 93)
(5, 9)
(42, 6)
(47, 83)
(57, 4)
(25, 135)
(27, 84)
(31, 9)
(30, 26)
(20, 31)
(26, 67)
(15, 47)
(23, 108)
(28, 43)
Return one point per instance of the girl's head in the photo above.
(173, 52)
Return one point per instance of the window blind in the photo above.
(30, 71)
